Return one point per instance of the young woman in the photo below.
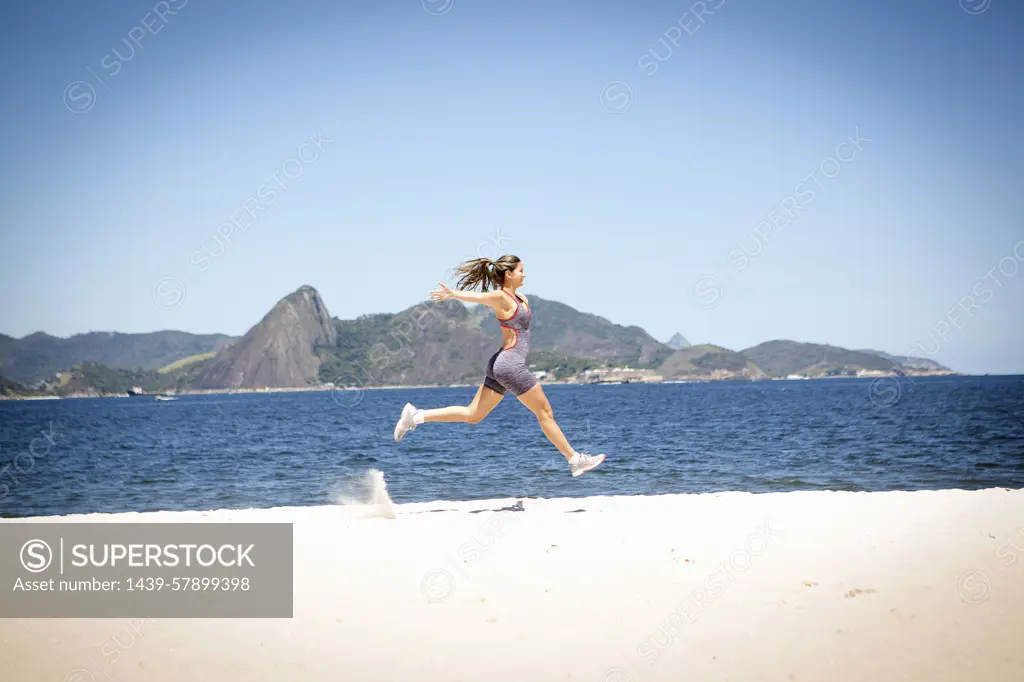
(507, 369)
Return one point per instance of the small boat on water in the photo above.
(165, 397)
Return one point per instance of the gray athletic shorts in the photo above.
(507, 370)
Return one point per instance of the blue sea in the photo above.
(300, 449)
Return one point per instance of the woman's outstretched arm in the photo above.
(493, 299)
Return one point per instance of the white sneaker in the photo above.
(581, 463)
(405, 422)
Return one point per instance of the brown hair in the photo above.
(484, 272)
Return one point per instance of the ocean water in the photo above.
(299, 449)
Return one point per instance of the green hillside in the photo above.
(562, 365)
(91, 376)
(567, 332)
(39, 356)
(452, 342)
(184, 362)
(909, 362)
(426, 344)
(782, 358)
(703, 360)
(10, 389)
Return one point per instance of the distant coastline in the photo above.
(311, 389)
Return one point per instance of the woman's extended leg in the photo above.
(481, 405)
(483, 402)
(579, 463)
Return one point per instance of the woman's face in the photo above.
(515, 277)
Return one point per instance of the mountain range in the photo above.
(299, 344)
(39, 355)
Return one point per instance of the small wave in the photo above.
(793, 482)
(368, 459)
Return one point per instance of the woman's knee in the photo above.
(545, 413)
(476, 413)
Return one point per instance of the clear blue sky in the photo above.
(452, 120)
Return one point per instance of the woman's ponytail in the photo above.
(483, 272)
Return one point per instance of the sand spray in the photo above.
(367, 491)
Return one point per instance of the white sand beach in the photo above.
(802, 586)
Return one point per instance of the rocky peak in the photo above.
(280, 351)
(677, 341)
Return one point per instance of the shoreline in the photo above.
(359, 509)
(681, 380)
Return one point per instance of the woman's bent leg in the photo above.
(483, 402)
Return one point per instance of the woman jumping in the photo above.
(507, 369)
